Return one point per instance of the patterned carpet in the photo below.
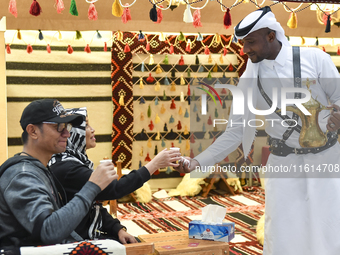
(175, 213)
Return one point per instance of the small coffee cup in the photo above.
(105, 160)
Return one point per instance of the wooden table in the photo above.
(178, 243)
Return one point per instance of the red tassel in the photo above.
(241, 52)
(12, 8)
(156, 172)
(87, 48)
(224, 91)
(29, 49)
(181, 61)
(188, 48)
(147, 158)
(150, 79)
(8, 49)
(173, 105)
(179, 125)
(225, 51)
(197, 18)
(105, 46)
(35, 9)
(338, 52)
(206, 51)
(60, 6)
(210, 121)
(227, 19)
(192, 154)
(230, 68)
(323, 48)
(147, 47)
(92, 13)
(172, 145)
(127, 48)
(126, 15)
(171, 51)
(151, 125)
(69, 49)
(226, 159)
(48, 48)
(188, 89)
(159, 14)
(192, 138)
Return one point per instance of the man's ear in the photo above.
(271, 36)
(32, 131)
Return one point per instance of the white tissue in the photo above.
(213, 214)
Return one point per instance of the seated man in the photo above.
(30, 212)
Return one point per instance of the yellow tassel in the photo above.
(158, 136)
(59, 36)
(292, 22)
(149, 144)
(141, 83)
(182, 97)
(119, 35)
(151, 62)
(187, 145)
(207, 135)
(185, 132)
(157, 119)
(141, 152)
(221, 58)
(157, 86)
(121, 100)
(218, 38)
(161, 37)
(180, 111)
(162, 109)
(182, 82)
(159, 69)
(19, 34)
(215, 68)
(142, 116)
(232, 81)
(302, 41)
(210, 59)
(117, 9)
(173, 86)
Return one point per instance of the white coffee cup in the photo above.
(175, 148)
(105, 160)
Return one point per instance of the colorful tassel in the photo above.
(165, 128)
(142, 67)
(181, 61)
(188, 47)
(147, 158)
(141, 84)
(159, 15)
(161, 37)
(99, 36)
(227, 19)
(173, 73)
(78, 35)
(207, 135)
(182, 81)
(18, 34)
(166, 80)
(60, 6)
(180, 111)
(197, 19)
(105, 46)
(198, 119)
(149, 143)
(186, 114)
(195, 108)
(210, 59)
(73, 8)
(303, 41)
(60, 37)
(126, 15)
(182, 97)
(87, 48)
(173, 86)
(92, 12)
(142, 117)
(157, 86)
(141, 152)
(328, 24)
(156, 150)
(69, 49)
(35, 8)
(210, 120)
(181, 37)
(188, 93)
(163, 142)
(192, 138)
(189, 73)
(153, 13)
(158, 69)
(121, 100)
(186, 131)
(117, 9)
(142, 100)
(203, 128)
(323, 48)
(317, 41)
(197, 61)
(200, 69)
(171, 50)
(225, 51)
(151, 125)
(127, 48)
(187, 16)
(179, 125)
(8, 49)
(230, 68)
(199, 37)
(150, 79)
(166, 60)
(29, 49)
(156, 100)
(209, 76)
(141, 36)
(157, 119)
(221, 59)
(215, 68)
(180, 139)
(151, 60)
(164, 95)
(158, 136)
(12, 8)
(171, 120)
(241, 52)
(48, 48)
(41, 36)
(149, 111)
(338, 52)
(206, 50)
(147, 47)
(173, 105)
(163, 109)
(292, 21)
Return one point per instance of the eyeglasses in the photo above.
(61, 126)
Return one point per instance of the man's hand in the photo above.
(163, 159)
(104, 174)
(184, 168)
(125, 237)
(333, 123)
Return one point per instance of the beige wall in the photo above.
(3, 94)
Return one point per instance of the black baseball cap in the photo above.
(48, 110)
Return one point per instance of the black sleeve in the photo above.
(110, 224)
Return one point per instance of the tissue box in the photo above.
(215, 232)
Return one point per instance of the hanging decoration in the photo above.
(87, 48)
(69, 49)
(159, 15)
(127, 48)
(73, 8)
(197, 19)
(227, 19)
(8, 49)
(153, 13)
(60, 6)
(292, 22)
(12, 8)
(126, 16)
(117, 9)
(29, 49)
(35, 8)
(141, 36)
(92, 12)
(187, 16)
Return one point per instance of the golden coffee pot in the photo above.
(311, 135)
